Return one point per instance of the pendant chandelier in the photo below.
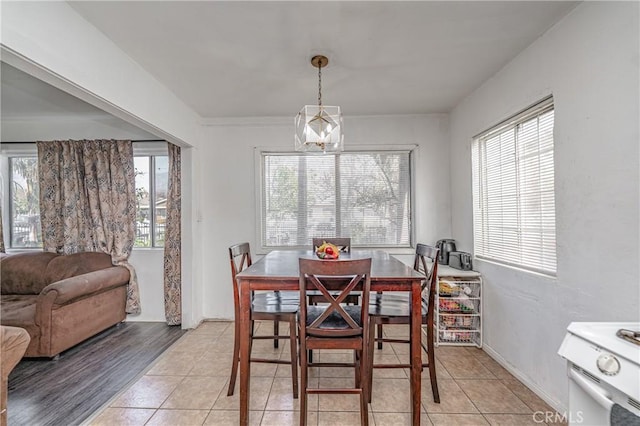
(319, 127)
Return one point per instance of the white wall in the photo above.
(228, 182)
(589, 62)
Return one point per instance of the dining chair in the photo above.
(270, 306)
(334, 325)
(315, 297)
(396, 309)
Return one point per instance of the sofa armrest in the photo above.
(65, 291)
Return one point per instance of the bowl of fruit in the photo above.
(328, 251)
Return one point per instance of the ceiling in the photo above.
(252, 59)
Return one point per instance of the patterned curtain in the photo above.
(172, 242)
(88, 201)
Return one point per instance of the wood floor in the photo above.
(68, 390)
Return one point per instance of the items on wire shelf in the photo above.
(459, 311)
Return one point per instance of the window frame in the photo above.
(260, 151)
(537, 109)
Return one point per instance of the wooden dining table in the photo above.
(278, 270)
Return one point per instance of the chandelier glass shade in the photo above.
(319, 127)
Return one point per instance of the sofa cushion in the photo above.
(24, 273)
(18, 310)
(71, 265)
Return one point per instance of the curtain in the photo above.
(172, 242)
(88, 202)
(1, 233)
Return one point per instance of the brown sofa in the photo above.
(61, 300)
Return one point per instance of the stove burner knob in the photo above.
(608, 364)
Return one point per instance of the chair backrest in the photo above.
(344, 244)
(335, 279)
(429, 269)
(240, 259)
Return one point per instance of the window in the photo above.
(362, 195)
(151, 199)
(24, 204)
(25, 230)
(513, 191)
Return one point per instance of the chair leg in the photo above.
(276, 332)
(432, 365)
(379, 326)
(357, 357)
(303, 382)
(371, 344)
(294, 355)
(362, 368)
(236, 358)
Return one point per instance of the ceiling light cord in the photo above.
(320, 83)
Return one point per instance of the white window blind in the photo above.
(513, 191)
(362, 195)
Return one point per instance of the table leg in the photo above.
(245, 344)
(416, 354)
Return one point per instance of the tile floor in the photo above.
(187, 385)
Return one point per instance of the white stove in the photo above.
(603, 364)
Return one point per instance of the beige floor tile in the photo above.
(441, 372)
(337, 402)
(427, 390)
(287, 418)
(196, 392)
(345, 418)
(399, 419)
(457, 419)
(214, 328)
(194, 343)
(391, 396)
(216, 365)
(148, 392)
(492, 396)
(178, 417)
(496, 369)
(445, 351)
(401, 349)
(389, 373)
(281, 396)
(231, 418)
(533, 401)
(263, 369)
(223, 344)
(452, 398)
(259, 393)
(123, 416)
(335, 371)
(465, 367)
(387, 349)
(395, 330)
(175, 364)
(512, 419)
(284, 370)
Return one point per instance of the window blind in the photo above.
(362, 195)
(513, 191)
